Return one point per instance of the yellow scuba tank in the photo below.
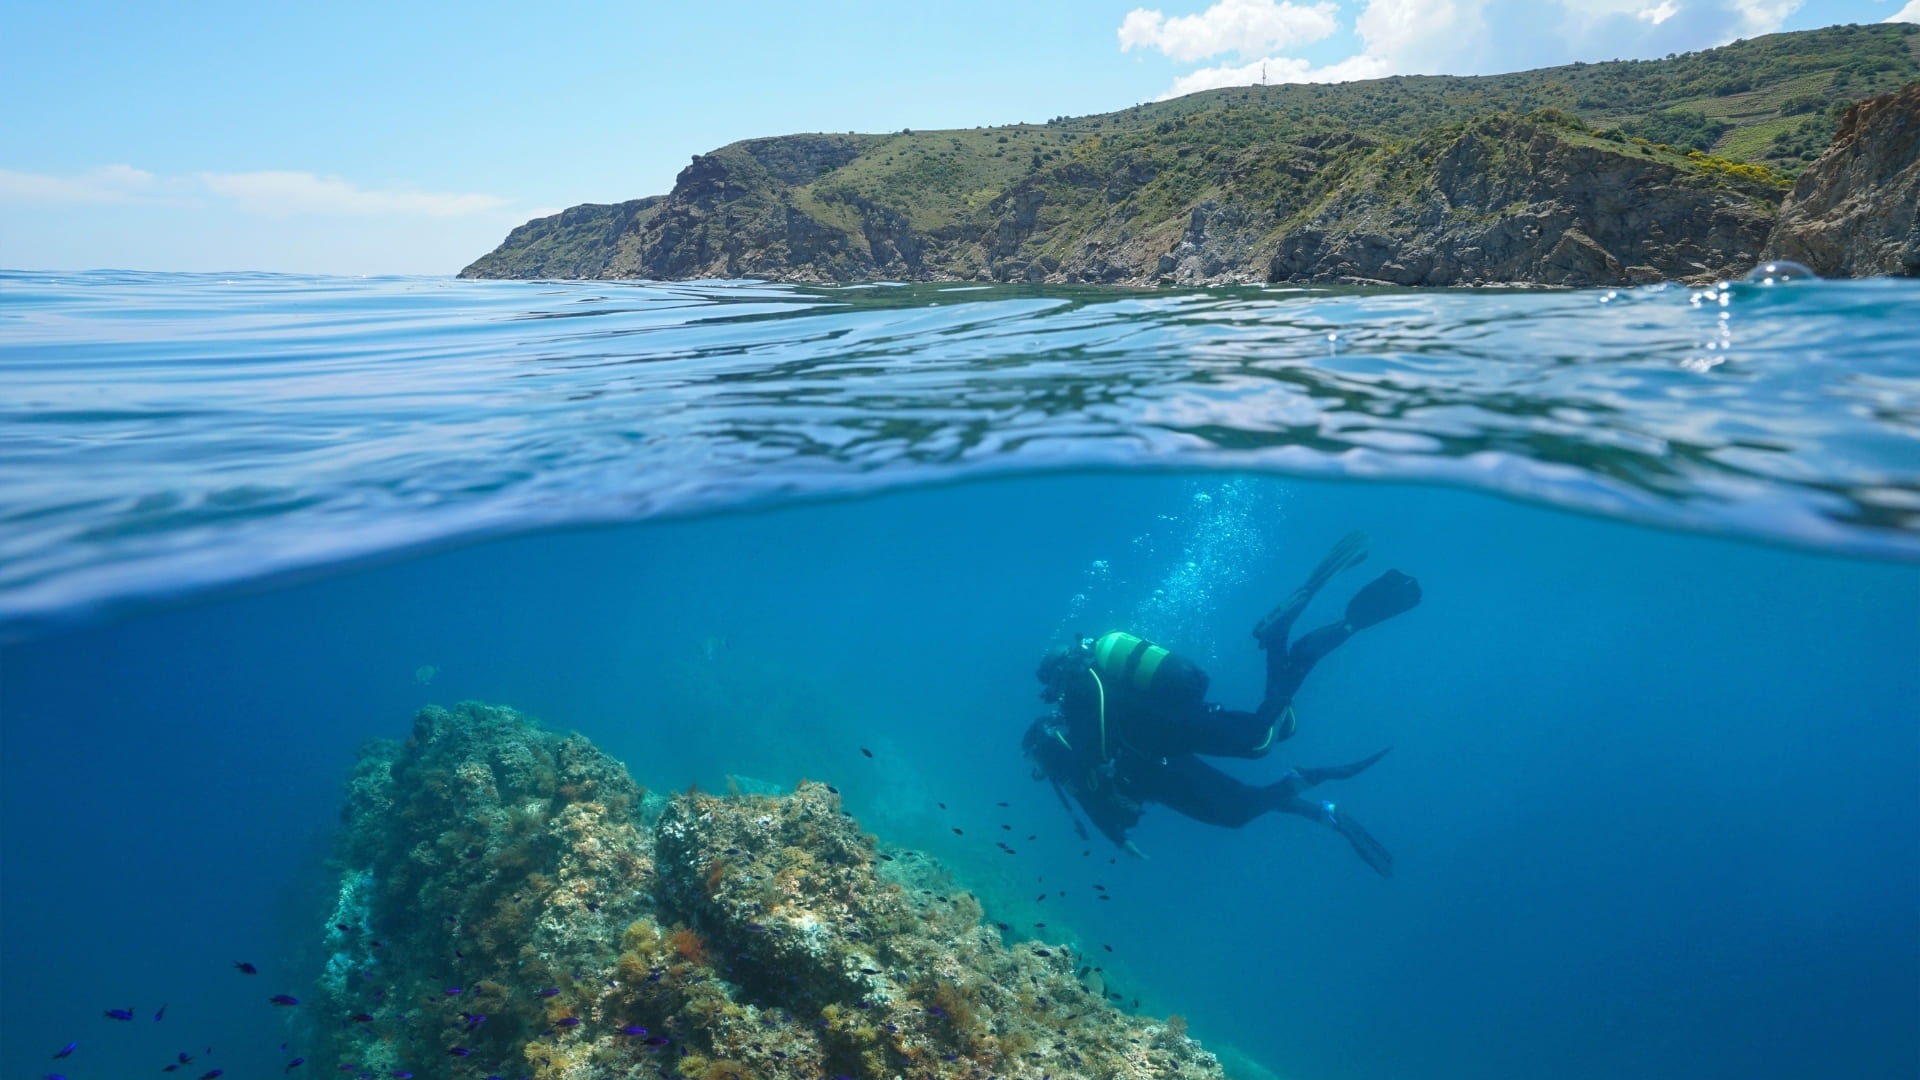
(1147, 674)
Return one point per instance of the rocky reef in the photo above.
(511, 904)
(1855, 212)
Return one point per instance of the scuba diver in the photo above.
(1131, 718)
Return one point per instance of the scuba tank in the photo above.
(1145, 675)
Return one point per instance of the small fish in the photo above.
(294, 1064)
(1043, 952)
(55, 1076)
(184, 1059)
(119, 1014)
(656, 1040)
(833, 789)
(474, 1020)
(160, 1015)
(1039, 898)
(401, 1075)
(633, 1029)
(458, 1051)
(453, 991)
(343, 927)
(568, 1021)
(551, 991)
(866, 751)
(1107, 947)
(942, 806)
(168, 1068)
(1004, 928)
(211, 1073)
(66, 1050)
(284, 999)
(1001, 805)
(245, 968)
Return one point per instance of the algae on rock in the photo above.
(509, 907)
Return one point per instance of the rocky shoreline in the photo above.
(1272, 186)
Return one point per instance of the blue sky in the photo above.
(368, 139)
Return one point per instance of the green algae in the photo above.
(693, 935)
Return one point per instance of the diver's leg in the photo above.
(1216, 733)
(1350, 550)
(1377, 601)
(1191, 787)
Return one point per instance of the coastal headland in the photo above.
(1687, 168)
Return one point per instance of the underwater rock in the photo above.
(512, 903)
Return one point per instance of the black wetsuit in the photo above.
(1131, 721)
(1150, 748)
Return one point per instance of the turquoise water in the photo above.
(1654, 796)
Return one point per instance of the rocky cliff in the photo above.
(1588, 174)
(1506, 200)
(1856, 211)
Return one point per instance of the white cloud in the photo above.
(1453, 37)
(279, 193)
(1279, 69)
(1665, 10)
(107, 184)
(1246, 27)
(274, 193)
(1761, 16)
(1910, 13)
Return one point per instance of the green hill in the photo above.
(1589, 172)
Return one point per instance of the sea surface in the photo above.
(1654, 791)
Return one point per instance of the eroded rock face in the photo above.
(1508, 200)
(511, 904)
(1856, 211)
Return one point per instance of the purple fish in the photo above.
(656, 1040)
(458, 1051)
(161, 1014)
(568, 1021)
(551, 991)
(284, 999)
(294, 1064)
(67, 1050)
(119, 1014)
(453, 991)
(633, 1029)
(184, 1059)
(245, 968)
(211, 1073)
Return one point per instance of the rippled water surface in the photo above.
(162, 432)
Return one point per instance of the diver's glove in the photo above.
(1364, 845)
(1381, 599)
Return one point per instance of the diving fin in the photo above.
(1349, 551)
(1381, 599)
(1371, 851)
(1313, 776)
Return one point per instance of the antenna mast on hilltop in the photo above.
(1263, 73)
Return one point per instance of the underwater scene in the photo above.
(417, 678)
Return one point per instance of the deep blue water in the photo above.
(1654, 795)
